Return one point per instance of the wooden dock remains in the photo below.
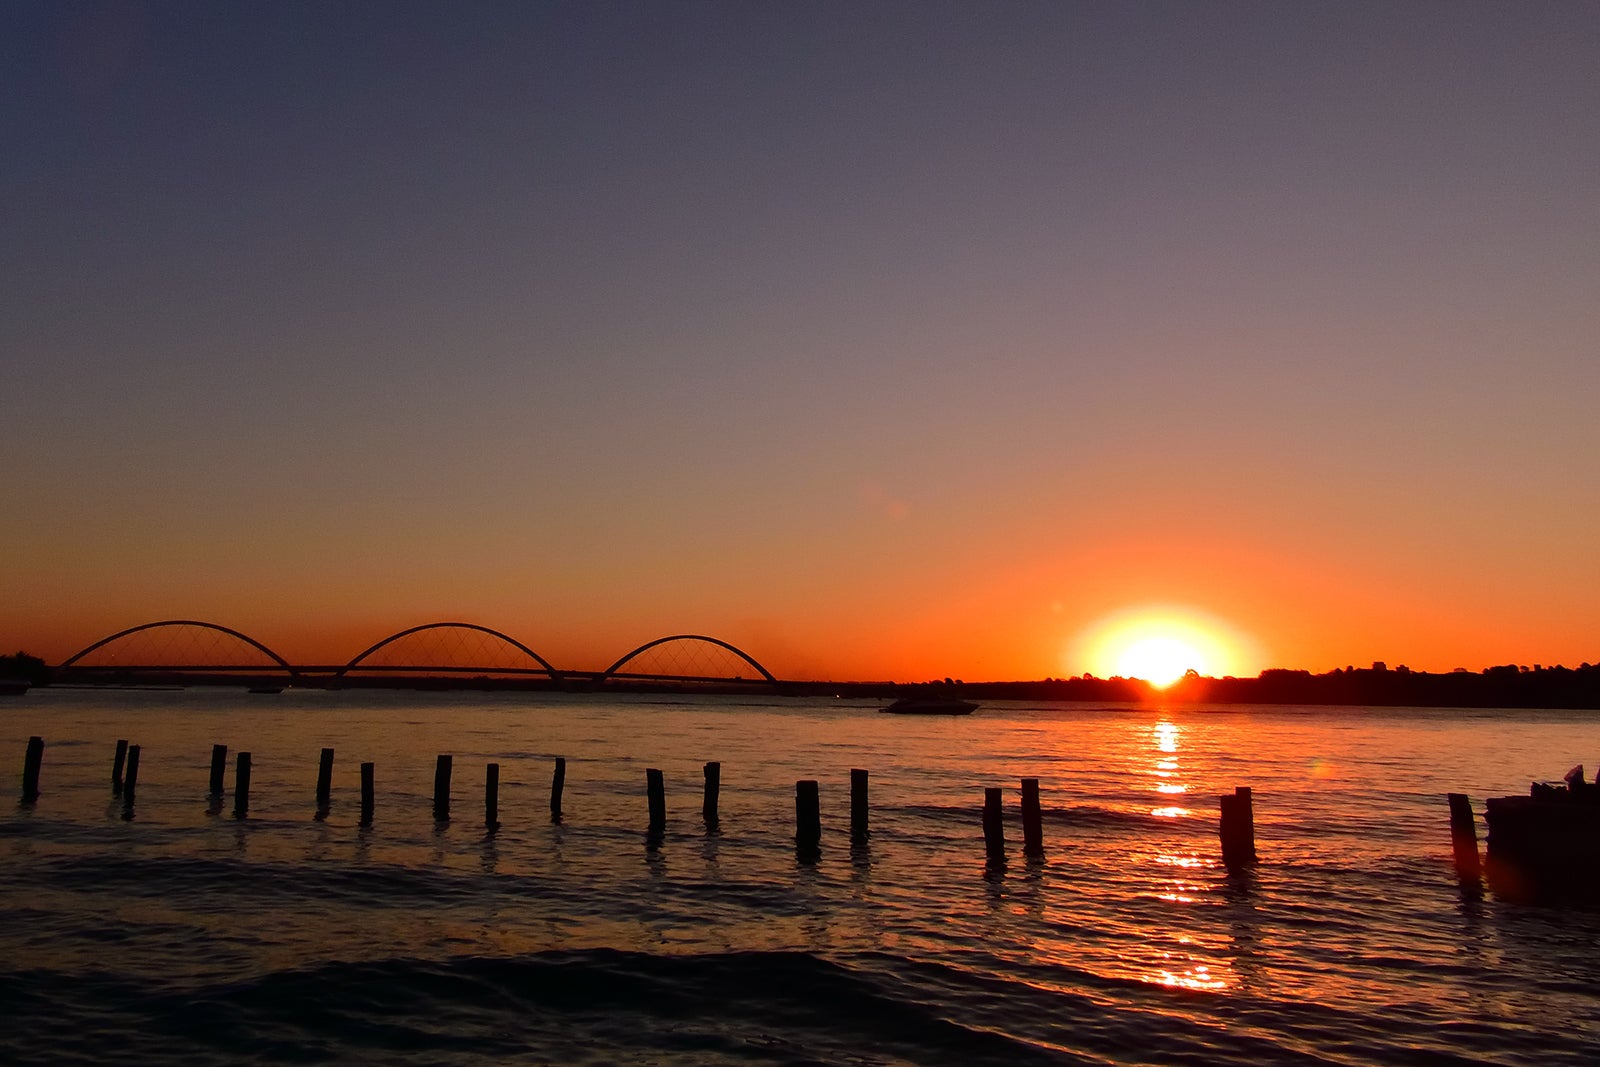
(807, 818)
(324, 783)
(994, 834)
(31, 762)
(441, 789)
(1464, 838)
(858, 804)
(491, 797)
(366, 794)
(1237, 828)
(1032, 820)
(118, 762)
(130, 782)
(219, 767)
(241, 786)
(655, 789)
(558, 782)
(708, 807)
(1545, 846)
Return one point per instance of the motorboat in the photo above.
(930, 706)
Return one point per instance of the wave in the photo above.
(601, 1006)
(613, 1006)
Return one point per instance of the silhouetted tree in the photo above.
(30, 669)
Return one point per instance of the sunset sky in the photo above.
(882, 340)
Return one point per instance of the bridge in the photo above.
(196, 650)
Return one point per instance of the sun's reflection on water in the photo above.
(1176, 870)
(1197, 976)
(1167, 736)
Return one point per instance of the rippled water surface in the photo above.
(185, 934)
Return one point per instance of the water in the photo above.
(184, 935)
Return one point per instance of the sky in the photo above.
(883, 341)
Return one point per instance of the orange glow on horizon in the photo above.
(1159, 643)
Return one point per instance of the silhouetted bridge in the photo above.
(188, 647)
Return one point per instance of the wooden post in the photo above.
(441, 789)
(1238, 828)
(807, 816)
(324, 782)
(219, 766)
(491, 797)
(557, 783)
(1464, 837)
(366, 794)
(241, 786)
(30, 769)
(1032, 820)
(858, 805)
(658, 799)
(708, 809)
(994, 834)
(119, 761)
(130, 781)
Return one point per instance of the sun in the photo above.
(1160, 660)
(1160, 643)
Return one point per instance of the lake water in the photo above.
(185, 935)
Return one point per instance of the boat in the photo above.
(13, 687)
(1546, 845)
(930, 706)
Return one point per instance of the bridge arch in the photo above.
(120, 634)
(612, 670)
(508, 639)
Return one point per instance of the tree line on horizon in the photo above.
(1505, 686)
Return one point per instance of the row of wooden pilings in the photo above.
(1237, 824)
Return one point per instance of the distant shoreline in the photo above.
(1377, 686)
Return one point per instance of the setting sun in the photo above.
(1160, 660)
(1160, 643)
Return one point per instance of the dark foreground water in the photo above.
(184, 935)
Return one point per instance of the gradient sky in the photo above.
(883, 340)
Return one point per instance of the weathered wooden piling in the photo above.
(491, 797)
(31, 762)
(557, 783)
(1464, 838)
(708, 808)
(118, 762)
(858, 804)
(657, 791)
(1238, 828)
(241, 785)
(219, 767)
(130, 781)
(994, 834)
(324, 782)
(1032, 820)
(366, 794)
(807, 816)
(441, 789)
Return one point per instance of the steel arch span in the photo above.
(120, 634)
(544, 664)
(611, 671)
